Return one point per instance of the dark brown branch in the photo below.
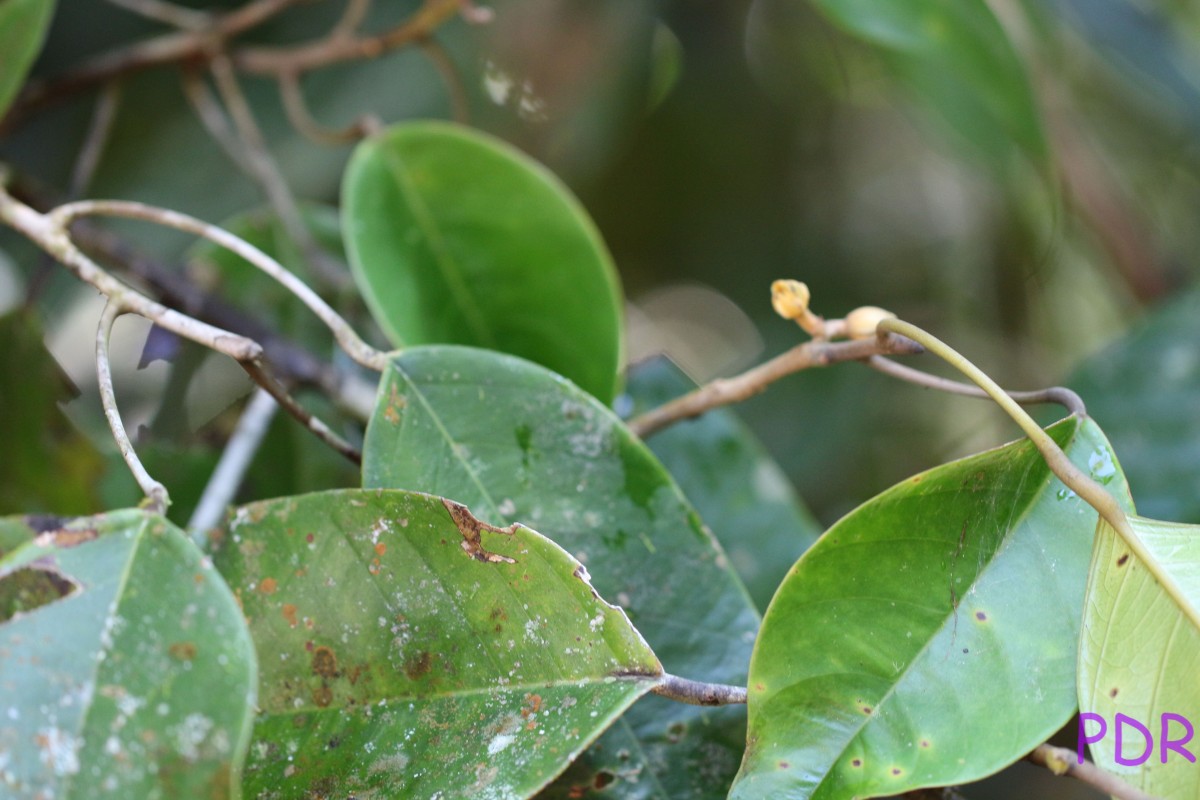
(1054, 394)
(334, 50)
(1061, 761)
(696, 693)
(199, 48)
(173, 48)
(725, 391)
(294, 104)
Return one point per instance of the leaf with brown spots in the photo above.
(120, 670)
(917, 621)
(491, 670)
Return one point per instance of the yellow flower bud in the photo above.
(790, 298)
(861, 322)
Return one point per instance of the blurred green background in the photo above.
(1021, 178)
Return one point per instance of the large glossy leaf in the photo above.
(23, 25)
(125, 666)
(516, 442)
(457, 237)
(943, 605)
(1140, 651)
(957, 58)
(409, 651)
(739, 490)
(48, 465)
(1145, 389)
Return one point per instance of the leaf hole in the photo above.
(29, 588)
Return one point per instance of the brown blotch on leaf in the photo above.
(472, 529)
(866, 709)
(603, 778)
(979, 615)
(784, 765)
(856, 762)
(925, 743)
(268, 586)
(289, 614)
(65, 537)
(1113, 691)
(380, 549)
(1121, 561)
(324, 663)
(182, 651)
(418, 666)
(896, 770)
(322, 696)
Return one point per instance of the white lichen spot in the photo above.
(500, 742)
(188, 735)
(59, 750)
(596, 622)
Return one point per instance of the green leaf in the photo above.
(1139, 653)
(516, 442)
(739, 490)
(127, 668)
(1144, 389)
(957, 58)
(946, 603)
(23, 26)
(456, 237)
(49, 465)
(666, 64)
(409, 652)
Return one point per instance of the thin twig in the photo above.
(446, 67)
(49, 232)
(724, 391)
(349, 341)
(352, 18)
(696, 693)
(94, 143)
(263, 169)
(177, 16)
(1061, 761)
(200, 47)
(295, 364)
(1064, 469)
(1054, 394)
(239, 451)
(51, 236)
(172, 48)
(302, 119)
(258, 373)
(327, 51)
(156, 494)
(213, 118)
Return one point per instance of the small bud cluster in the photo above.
(790, 300)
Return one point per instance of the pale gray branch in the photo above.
(156, 494)
(696, 693)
